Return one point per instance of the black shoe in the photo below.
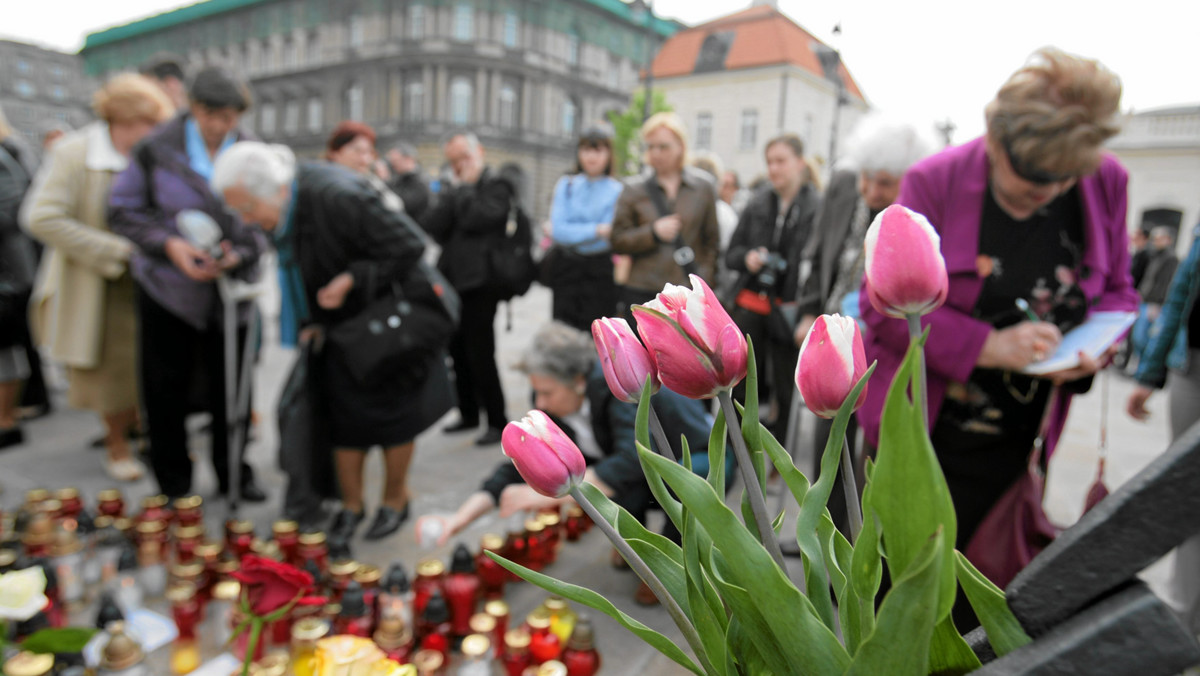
(344, 525)
(489, 438)
(252, 493)
(460, 426)
(11, 437)
(387, 521)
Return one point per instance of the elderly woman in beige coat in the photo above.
(82, 309)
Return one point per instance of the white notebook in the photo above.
(1093, 337)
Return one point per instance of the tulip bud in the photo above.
(625, 362)
(831, 363)
(693, 343)
(906, 273)
(544, 455)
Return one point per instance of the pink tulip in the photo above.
(695, 346)
(625, 362)
(906, 274)
(831, 363)
(544, 455)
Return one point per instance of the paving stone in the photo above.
(1130, 632)
(1140, 522)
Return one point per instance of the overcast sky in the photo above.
(923, 60)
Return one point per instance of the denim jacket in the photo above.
(1168, 346)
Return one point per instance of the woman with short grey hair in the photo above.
(337, 244)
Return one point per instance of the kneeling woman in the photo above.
(337, 241)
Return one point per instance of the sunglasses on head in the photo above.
(1027, 172)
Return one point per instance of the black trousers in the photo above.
(583, 289)
(775, 362)
(175, 357)
(473, 349)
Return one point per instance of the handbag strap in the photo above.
(683, 254)
(1039, 443)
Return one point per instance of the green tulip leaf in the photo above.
(706, 609)
(1004, 632)
(899, 646)
(949, 654)
(716, 454)
(909, 492)
(669, 504)
(866, 568)
(65, 640)
(750, 410)
(597, 602)
(767, 601)
(749, 662)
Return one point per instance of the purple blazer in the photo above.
(143, 208)
(949, 189)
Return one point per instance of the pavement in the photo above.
(447, 468)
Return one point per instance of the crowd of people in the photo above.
(129, 303)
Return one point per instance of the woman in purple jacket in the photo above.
(179, 313)
(1033, 211)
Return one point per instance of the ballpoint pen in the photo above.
(1023, 305)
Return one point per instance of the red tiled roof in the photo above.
(763, 36)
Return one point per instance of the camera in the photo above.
(774, 266)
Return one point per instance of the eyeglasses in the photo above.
(1027, 172)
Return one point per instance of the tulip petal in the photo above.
(683, 366)
(831, 362)
(904, 263)
(547, 459)
(623, 359)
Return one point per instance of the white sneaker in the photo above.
(126, 469)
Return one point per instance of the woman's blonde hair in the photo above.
(130, 97)
(1055, 113)
(672, 123)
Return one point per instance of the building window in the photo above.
(25, 89)
(416, 21)
(354, 102)
(704, 131)
(464, 22)
(749, 135)
(508, 107)
(266, 121)
(57, 72)
(315, 112)
(414, 102)
(358, 28)
(614, 74)
(573, 49)
(289, 54)
(511, 25)
(461, 96)
(569, 114)
(291, 118)
(23, 67)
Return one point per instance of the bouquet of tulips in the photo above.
(726, 586)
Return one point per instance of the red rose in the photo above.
(269, 585)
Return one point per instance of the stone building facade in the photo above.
(525, 75)
(40, 88)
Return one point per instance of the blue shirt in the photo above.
(580, 205)
(198, 158)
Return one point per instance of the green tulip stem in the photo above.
(660, 437)
(643, 571)
(914, 333)
(758, 505)
(850, 488)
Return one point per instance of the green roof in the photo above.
(208, 8)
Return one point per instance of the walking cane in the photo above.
(237, 385)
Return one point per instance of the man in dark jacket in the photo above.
(406, 180)
(766, 250)
(1160, 262)
(468, 221)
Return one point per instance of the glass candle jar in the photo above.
(189, 510)
(305, 634)
(70, 502)
(154, 508)
(187, 539)
(580, 656)
(461, 587)
(492, 575)
(535, 545)
(430, 573)
(287, 536)
(313, 547)
(477, 656)
(394, 638)
(219, 611)
(552, 523)
(239, 536)
(482, 623)
(110, 503)
(341, 574)
(562, 618)
(543, 643)
(185, 609)
(516, 658)
(498, 611)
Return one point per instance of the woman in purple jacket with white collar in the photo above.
(1033, 211)
(179, 312)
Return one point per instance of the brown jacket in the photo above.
(653, 261)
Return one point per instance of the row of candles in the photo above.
(163, 551)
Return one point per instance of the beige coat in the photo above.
(66, 209)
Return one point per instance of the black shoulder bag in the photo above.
(684, 255)
(511, 260)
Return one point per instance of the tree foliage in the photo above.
(627, 145)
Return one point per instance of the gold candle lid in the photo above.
(239, 526)
(181, 592)
(189, 533)
(555, 604)
(154, 501)
(29, 664)
(313, 538)
(428, 660)
(392, 633)
(109, 495)
(482, 623)
(517, 638)
(103, 521)
(40, 531)
(64, 494)
(310, 629)
(368, 574)
(50, 506)
(274, 664)
(227, 590)
(492, 541)
(123, 524)
(121, 651)
(227, 565)
(343, 567)
(430, 568)
(283, 526)
(35, 495)
(476, 645)
(187, 571)
(151, 527)
(66, 541)
(496, 608)
(7, 557)
(534, 526)
(549, 518)
(188, 502)
(552, 668)
(538, 619)
(574, 510)
(209, 549)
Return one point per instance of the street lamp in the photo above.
(643, 14)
